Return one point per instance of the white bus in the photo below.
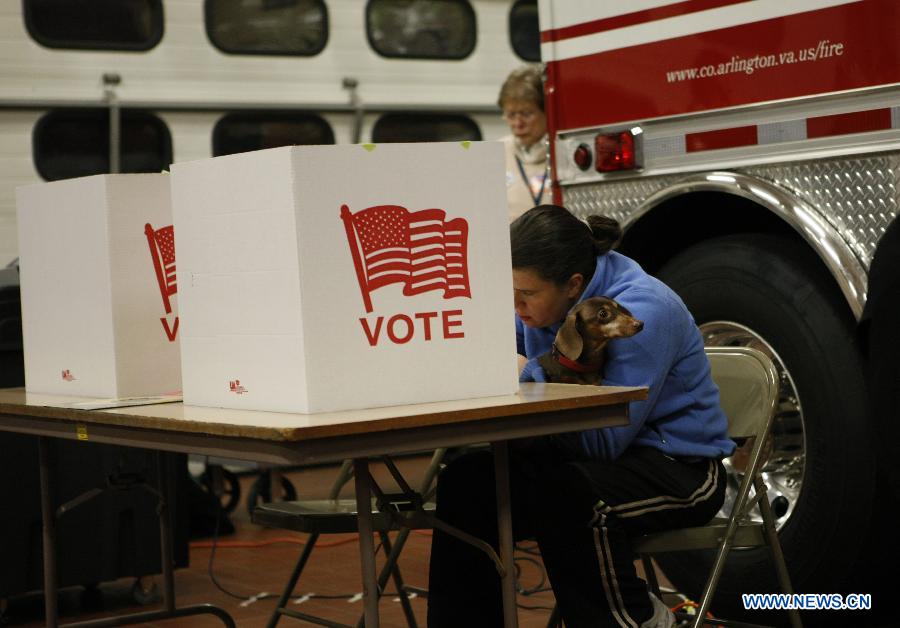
(195, 78)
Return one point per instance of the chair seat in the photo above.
(701, 537)
(329, 516)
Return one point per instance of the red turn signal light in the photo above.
(583, 157)
(615, 151)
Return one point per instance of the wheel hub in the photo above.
(784, 454)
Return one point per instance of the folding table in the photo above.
(292, 439)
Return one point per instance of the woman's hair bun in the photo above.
(606, 232)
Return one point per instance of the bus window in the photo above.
(95, 24)
(246, 131)
(267, 27)
(421, 29)
(524, 33)
(424, 127)
(71, 143)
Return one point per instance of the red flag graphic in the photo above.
(422, 250)
(162, 249)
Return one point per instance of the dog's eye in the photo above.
(603, 315)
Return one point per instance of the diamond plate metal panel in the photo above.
(859, 196)
(616, 199)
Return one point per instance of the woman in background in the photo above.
(522, 101)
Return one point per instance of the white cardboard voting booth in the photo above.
(320, 278)
(97, 274)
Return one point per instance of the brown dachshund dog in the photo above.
(578, 353)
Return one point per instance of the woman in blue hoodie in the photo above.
(583, 495)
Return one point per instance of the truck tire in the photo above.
(881, 335)
(774, 294)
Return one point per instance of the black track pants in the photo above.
(582, 514)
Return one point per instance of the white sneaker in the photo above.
(662, 617)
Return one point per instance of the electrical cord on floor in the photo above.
(539, 586)
(529, 607)
(295, 540)
(531, 551)
(528, 549)
(212, 556)
(249, 599)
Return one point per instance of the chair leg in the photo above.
(292, 582)
(718, 565)
(398, 581)
(784, 578)
(392, 551)
(650, 574)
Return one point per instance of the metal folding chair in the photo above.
(748, 391)
(400, 512)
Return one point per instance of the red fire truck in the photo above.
(751, 148)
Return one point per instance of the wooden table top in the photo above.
(532, 398)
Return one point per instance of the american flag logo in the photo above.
(67, 375)
(234, 386)
(162, 250)
(421, 250)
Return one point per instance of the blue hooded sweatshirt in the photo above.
(681, 416)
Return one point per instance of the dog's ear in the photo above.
(568, 339)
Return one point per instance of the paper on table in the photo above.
(123, 402)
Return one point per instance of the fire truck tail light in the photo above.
(583, 157)
(615, 151)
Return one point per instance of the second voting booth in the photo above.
(100, 320)
(97, 266)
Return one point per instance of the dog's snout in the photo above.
(639, 325)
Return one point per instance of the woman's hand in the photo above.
(522, 361)
(532, 372)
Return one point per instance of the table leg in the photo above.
(48, 515)
(366, 541)
(504, 526)
(165, 531)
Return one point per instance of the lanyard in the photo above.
(540, 194)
